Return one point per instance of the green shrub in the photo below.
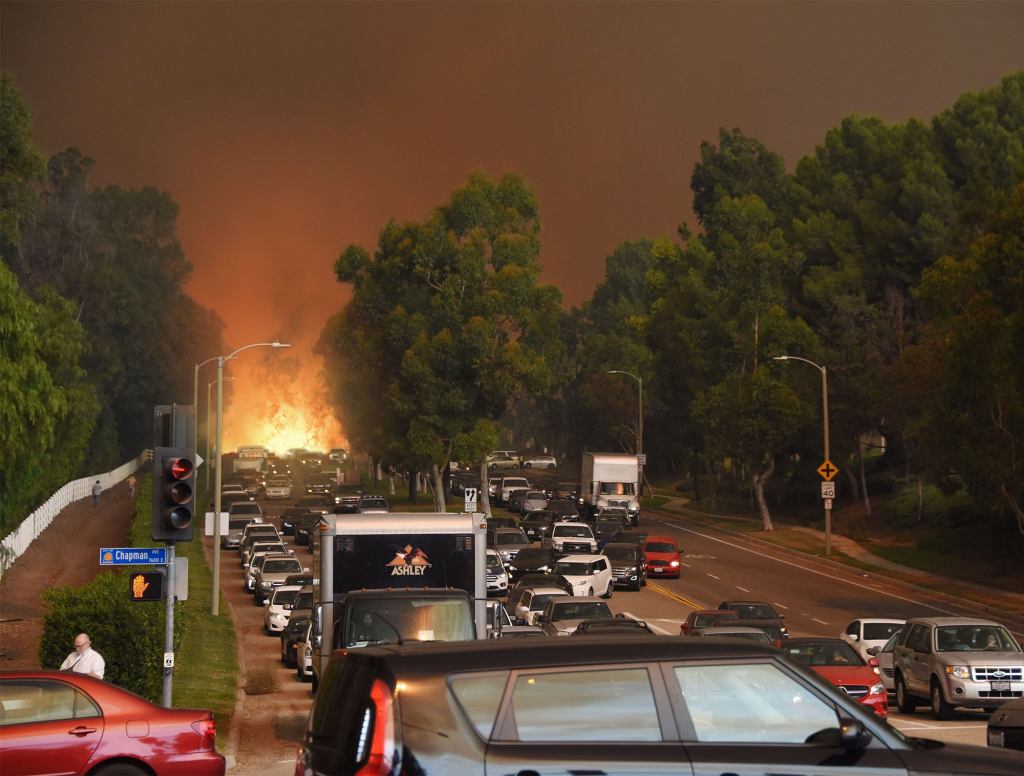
(937, 509)
(129, 635)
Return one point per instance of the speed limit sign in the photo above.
(828, 490)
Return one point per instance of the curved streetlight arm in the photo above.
(798, 358)
(255, 345)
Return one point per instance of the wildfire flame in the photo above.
(280, 403)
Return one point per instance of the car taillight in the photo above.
(207, 730)
(375, 746)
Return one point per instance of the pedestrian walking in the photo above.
(131, 486)
(85, 659)
(97, 489)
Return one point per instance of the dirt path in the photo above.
(66, 553)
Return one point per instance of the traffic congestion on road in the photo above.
(552, 572)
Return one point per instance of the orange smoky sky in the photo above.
(286, 131)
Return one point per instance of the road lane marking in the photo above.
(685, 564)
(650, 624)
(674, 596)
(738, 587)
(813, 571)
(821, 621)
(781, 606)
(713, 576)
(975, 726)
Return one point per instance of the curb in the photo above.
(839, 565)
(238, 712)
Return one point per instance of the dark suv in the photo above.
(507, 706)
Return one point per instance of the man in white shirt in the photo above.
(84, 660)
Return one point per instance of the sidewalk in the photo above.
(846, 550)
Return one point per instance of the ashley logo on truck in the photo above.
(410, 561)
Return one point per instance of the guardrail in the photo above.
(16, 542)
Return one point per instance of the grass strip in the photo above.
(206, 664)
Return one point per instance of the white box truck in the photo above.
(398, 578)
(610, 480)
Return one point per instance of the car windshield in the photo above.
(240, 522)
(245, 509)
(409, 619)
(880, 631)
(264, 547)
(283, 597)
(660, 547)
(281, 566)
(704, 620)
(974, 638)
(373, 502)
(515, 482)
(760, 638)
(754, 611)
(618, 488)
(823, 654)
(572, 569)
(304, 600)
(536, 495)
(538, 517)
(589, 610)
(538, 602)
(620, 553)
(493, 561)
(297, 624)
(579, 531)
(511, 538)
(277, 481)
(609, 525)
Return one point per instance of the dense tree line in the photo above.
(893, 254)
(95, 327)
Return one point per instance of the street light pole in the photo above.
(824, 415)
(639, 426)
(195, 407)
(209, 405)
(215, 603)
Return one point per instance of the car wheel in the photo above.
(590, 592)
(940, 708)
(608, 592)
(120, 769)
(904, 701)
(290, 659)
(551, 466)
(315, 684)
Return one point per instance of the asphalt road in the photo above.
(818, 598)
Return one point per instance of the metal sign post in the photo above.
(169, 628)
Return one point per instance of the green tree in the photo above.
(21, 167)
(453, 321)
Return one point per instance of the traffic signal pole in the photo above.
(169, 627)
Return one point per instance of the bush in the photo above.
(938, 509)
(129, 635)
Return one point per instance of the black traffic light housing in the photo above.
(174, 493)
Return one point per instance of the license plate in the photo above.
(1000, 686)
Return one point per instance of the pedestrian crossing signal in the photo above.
(146, 586)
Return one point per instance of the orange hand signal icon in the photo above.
(139, 585)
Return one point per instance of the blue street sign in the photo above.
(133, 556)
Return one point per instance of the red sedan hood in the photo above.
(838, 675)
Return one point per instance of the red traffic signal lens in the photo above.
(180, 468)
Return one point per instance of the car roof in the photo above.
(953, 621)
(583, 599)
(879, 619)
(544, 590)
(720, 630)
(581, 558)
(656, 538)
(493, 654)
(815, 640)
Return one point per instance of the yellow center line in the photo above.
(674, 596)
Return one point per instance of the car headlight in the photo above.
(580, 584)
(959, 672)
(674, 564)
(877, 689)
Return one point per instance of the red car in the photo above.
(837, 662)
(706, 618)
(68, 723)
(662, 557)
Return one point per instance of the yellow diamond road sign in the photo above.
(828, 470)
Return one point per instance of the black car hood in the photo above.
(927, 756)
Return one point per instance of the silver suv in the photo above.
(955, 661)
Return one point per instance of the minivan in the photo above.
(604, 704)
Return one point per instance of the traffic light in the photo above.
(174, 481)
(146, 586)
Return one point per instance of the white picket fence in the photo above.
(16, 542)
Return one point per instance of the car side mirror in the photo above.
(853, 734)
(874, 651)
(266, 602)
(873, 662)
(853, 636)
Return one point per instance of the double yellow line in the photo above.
(674, 596)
